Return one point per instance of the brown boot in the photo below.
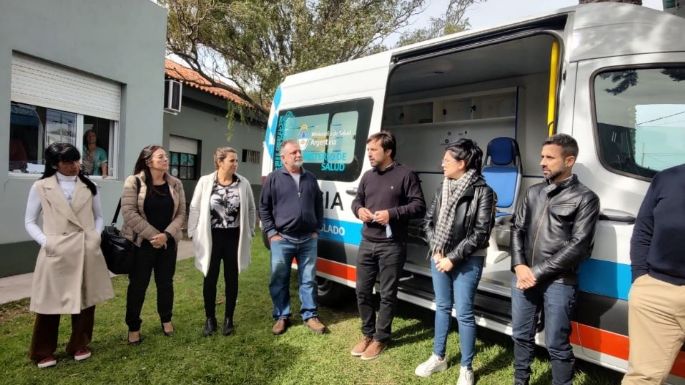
(281, 326)
(374, 350)
(315, 325)
(361, 346)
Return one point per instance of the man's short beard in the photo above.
(553, 175)
(298, 163)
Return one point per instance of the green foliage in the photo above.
(253, 355)
(452, 21)
(256, 43)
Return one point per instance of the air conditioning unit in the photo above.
(172, 96)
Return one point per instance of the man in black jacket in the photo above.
(388, 196)
(553, 232)
(656, 315)
(291, 211)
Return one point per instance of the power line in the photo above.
(663, 117)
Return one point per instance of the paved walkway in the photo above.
(18, 287)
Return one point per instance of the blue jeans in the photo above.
(282, 253)
(557, 301)
(456, 287)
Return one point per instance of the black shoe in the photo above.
(228, 327)
(210, 327)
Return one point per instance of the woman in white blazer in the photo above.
(221, 223)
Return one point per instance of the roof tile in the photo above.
(193, 79)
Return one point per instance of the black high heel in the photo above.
(210, 327)
(228, 327)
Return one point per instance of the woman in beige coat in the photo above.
(154, 206)
(70, 275)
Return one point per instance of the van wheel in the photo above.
(332, 294)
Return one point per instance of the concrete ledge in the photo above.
(16, 287)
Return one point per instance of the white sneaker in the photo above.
(47, 362)
(465, 376)
(432, 365)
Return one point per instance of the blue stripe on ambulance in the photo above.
(341, 231)
(595, 276)
(273, 124)
(605, 278)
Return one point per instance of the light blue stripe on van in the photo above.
(605, 278)
(595, 276)
(341, 231)
(273, 124)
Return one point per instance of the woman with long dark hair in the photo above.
(458, 226)
(71, 276)
(153, 205)
(221, 223)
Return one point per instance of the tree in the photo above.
(451, 22)
(254, 44)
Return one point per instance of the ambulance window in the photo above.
(640, 115)
(332, 137)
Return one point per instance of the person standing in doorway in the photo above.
(388, 196)
(553, 232)
(291, 211)
(656, 303)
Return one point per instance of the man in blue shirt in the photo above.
(291, 211)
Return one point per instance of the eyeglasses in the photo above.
(447, 161)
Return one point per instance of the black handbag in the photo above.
(119, 252)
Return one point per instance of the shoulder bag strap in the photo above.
(116, 212)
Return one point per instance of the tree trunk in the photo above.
(636, 2)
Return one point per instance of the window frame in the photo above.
(196, 175)
(112, 154)
(251, 156)
(593, 106)
(364, 109)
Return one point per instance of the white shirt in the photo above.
(33, 208)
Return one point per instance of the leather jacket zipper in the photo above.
(537, 232)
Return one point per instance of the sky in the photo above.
(496, 12)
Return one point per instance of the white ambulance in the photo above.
(611, 75)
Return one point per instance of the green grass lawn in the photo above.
(253, 355)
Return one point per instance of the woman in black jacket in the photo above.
(458, 226)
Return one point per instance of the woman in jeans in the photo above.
(221, 223)
(153, 205)
(458, 226)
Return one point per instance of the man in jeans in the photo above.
(656, 304)
(388, 196)
(553, 232)
(291, 211)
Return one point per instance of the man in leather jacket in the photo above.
(553, 232)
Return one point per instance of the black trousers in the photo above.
(45, 330)
(148, 260)
(382, 260)
(224, 248)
